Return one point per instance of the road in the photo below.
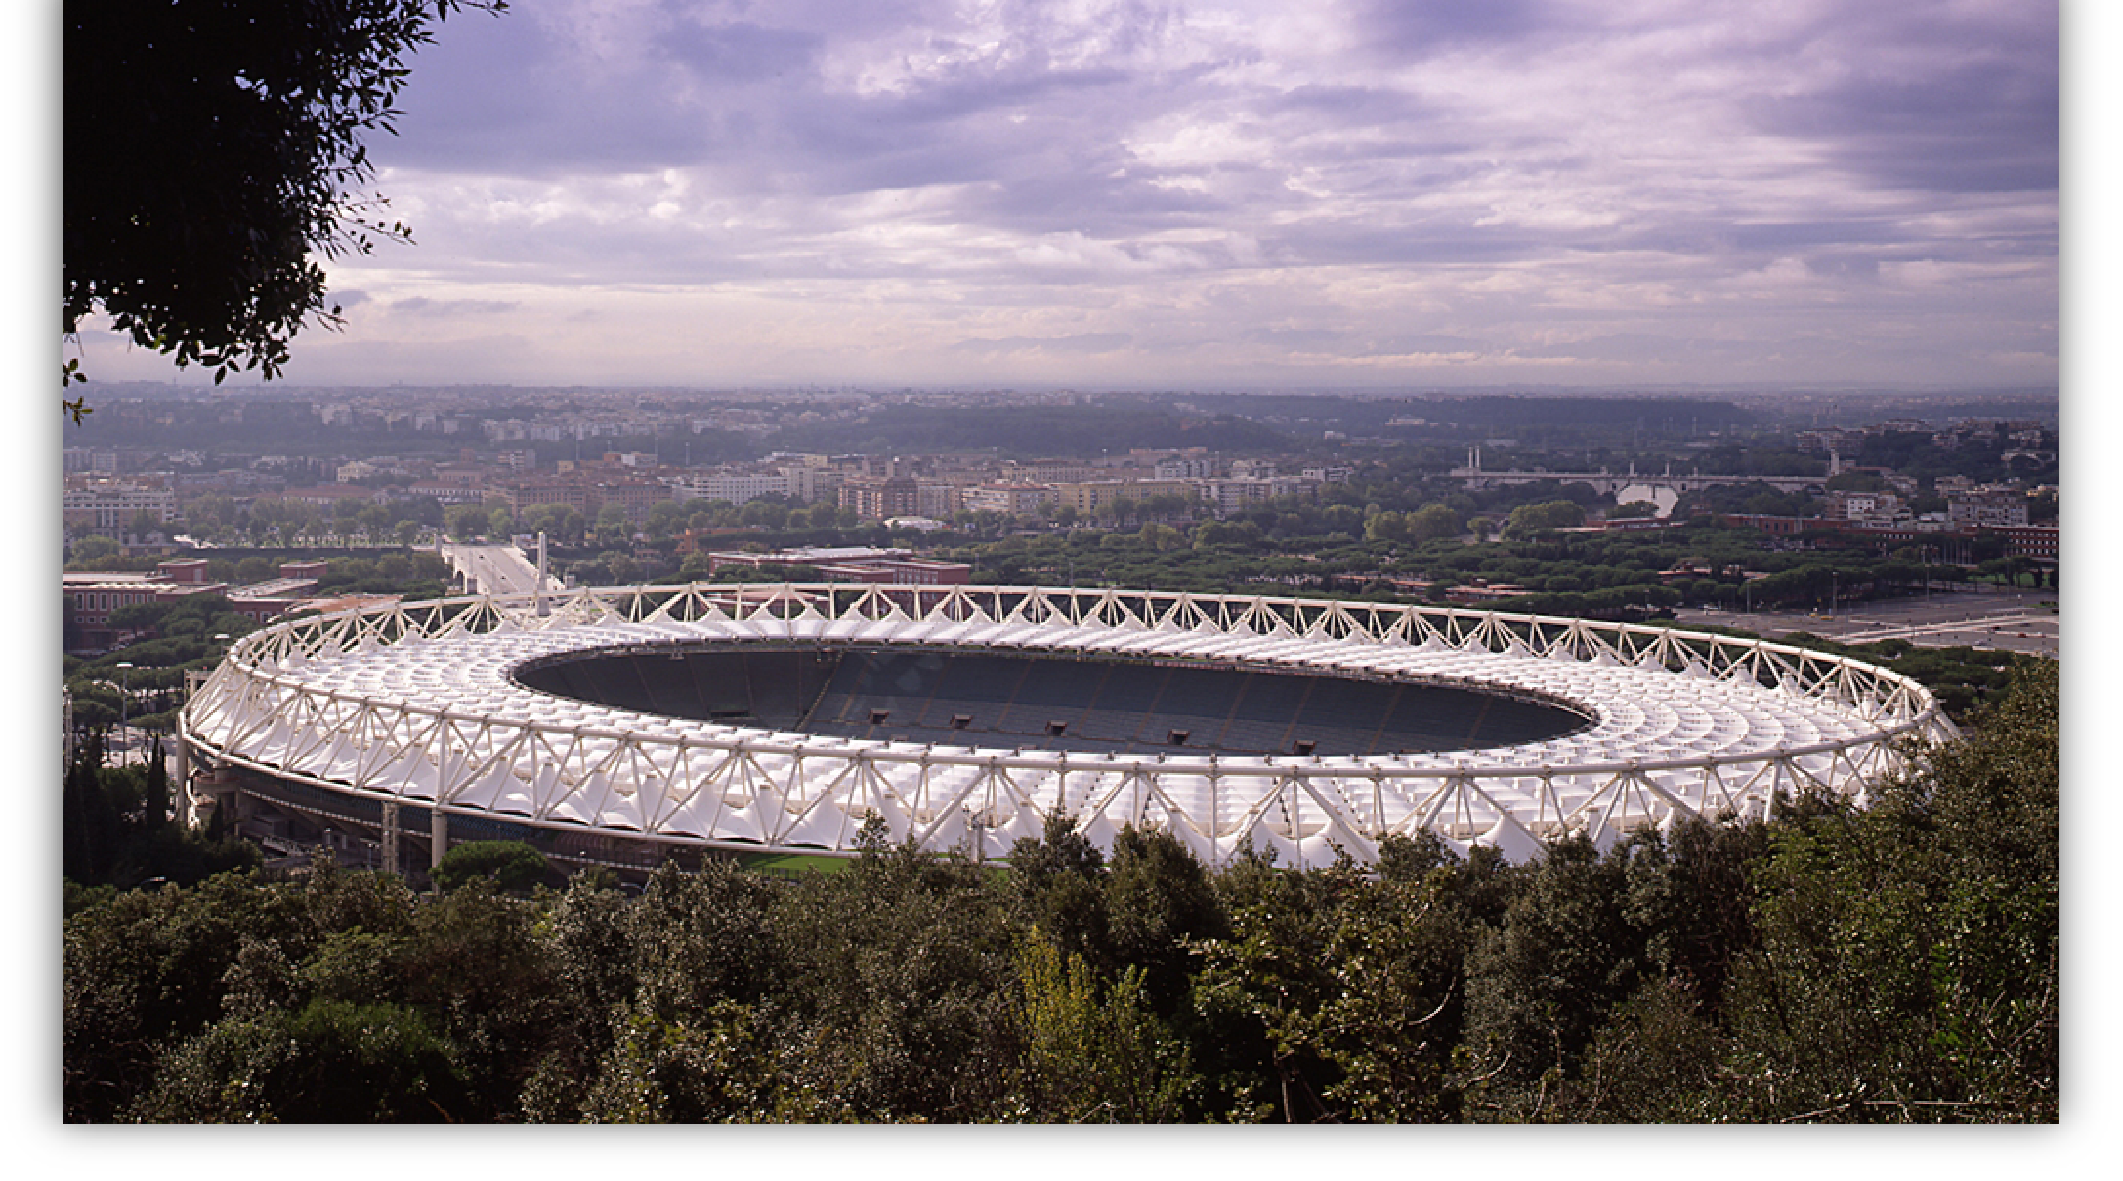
(495, 569)
(2014, 621)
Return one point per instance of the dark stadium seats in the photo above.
(1006, 700)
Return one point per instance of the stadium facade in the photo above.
(632, 725)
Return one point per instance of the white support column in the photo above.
(438, 836)
(181, 776)
(539, 597)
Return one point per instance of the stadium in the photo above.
(629, 726)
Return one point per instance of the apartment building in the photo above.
(1022, 500)
(108, 506)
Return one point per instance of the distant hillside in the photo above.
(1367, 416)
(1027, 431)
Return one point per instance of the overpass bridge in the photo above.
(495, 569)
(1608, 483)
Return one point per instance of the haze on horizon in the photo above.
(1213, 194)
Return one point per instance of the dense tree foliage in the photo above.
(213, 148)
(509, 865)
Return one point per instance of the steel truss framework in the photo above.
(414, 703)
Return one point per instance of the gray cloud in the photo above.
(1368, 181)
(1419, 28)
(420, 305)
(1089, 342)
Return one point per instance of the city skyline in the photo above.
(1211, 195)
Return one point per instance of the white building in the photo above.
(1010, 499)
(1240, 491)
(810, 483)
(1987, 510)
(735, 487)
(108, 507)
(1863, 506)
(1186, 467)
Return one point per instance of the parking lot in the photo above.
(2015, 621)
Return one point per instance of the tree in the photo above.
(155, 800)
(512, 865)
(89, 821)
(1387, 526)
(612, 520)
(1538, 983)
(466, 521)
(1908, 961)
(210, 514)
(1092, 1054)
(332, 1061)
(1528, 519)
(212, 149)
(1060, 881)
(1162, 538)
(1433, 521)
(1158, 897)
(95, 547)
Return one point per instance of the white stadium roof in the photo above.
(416, 703)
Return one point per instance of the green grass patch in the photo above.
(790, 864)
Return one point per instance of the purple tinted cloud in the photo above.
(939, 186)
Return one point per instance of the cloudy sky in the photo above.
(1350, 193)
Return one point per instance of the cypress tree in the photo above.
(156, 806)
